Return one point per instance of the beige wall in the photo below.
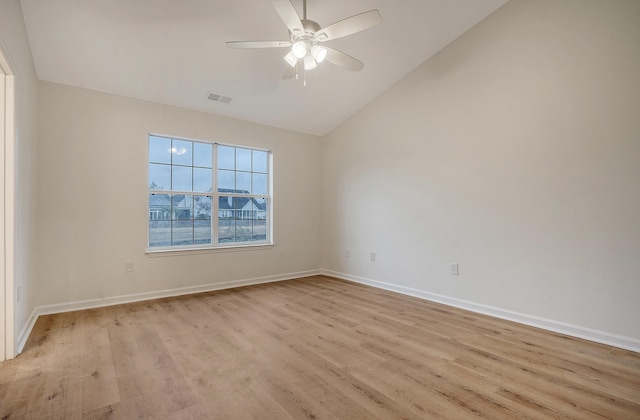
(514, 152)
(94, 208)
(15, 46)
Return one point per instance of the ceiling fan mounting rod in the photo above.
(304, 9)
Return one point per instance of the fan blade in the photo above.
(343, 60)
(258, 44)
(288, 15)
(350, 25)
(289, 73)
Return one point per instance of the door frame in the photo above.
(7, 206)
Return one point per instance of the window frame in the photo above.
(215, 197)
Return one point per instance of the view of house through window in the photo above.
(204, 194)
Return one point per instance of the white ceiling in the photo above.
(173, 52)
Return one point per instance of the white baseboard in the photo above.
(602, 337)
(137, 297)
(26, 330)
(627, 343)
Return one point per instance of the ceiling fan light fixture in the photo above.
(291, 59)
(305, 35)
(310, 63)
(299, 49)
(319, 53)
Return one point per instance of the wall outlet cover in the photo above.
(454, 269)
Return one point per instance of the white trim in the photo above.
(627, 343)
(8, 140)
(597, 336)
(9, 215)
(138, 297)
(4, 302)
(26, 330)
(166, 251)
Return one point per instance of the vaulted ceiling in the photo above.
(173, 52)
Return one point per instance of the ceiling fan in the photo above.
(307, 35)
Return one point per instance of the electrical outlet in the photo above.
(373, 257)
(128, 267)
(347, 253)
(454, 269)
(281, 253)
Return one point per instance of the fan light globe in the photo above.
(299, 49)
(291, 59)
(319, 53)
(309, 63)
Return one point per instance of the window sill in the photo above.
(172, 252)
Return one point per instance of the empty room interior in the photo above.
(320, 209)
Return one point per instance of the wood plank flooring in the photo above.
(313, 348)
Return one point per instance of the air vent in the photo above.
(219, 98)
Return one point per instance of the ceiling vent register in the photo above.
(219, 98)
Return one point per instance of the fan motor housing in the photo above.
(310, 27)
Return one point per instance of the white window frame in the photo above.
(215, 196)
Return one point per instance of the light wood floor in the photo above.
(312, 348)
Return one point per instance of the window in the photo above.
(207, 195)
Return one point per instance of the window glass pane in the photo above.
(202, 180)
(259, 161)
(244, 230)
(202, 207)
(202, 231)
(202, 155)
(260, 230)
(182, 207)
(159, 207)
(182, 232)
(226, 181)
(259, 184)
(159, 233)
(226, 157)
(243, 182)
(226, 230)
(159, 149)
(239, 203)
(225, 207)
(182, 152)
(159, 177)
(261, 208)
(243, 160)
(252, 212)
(181, 178)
